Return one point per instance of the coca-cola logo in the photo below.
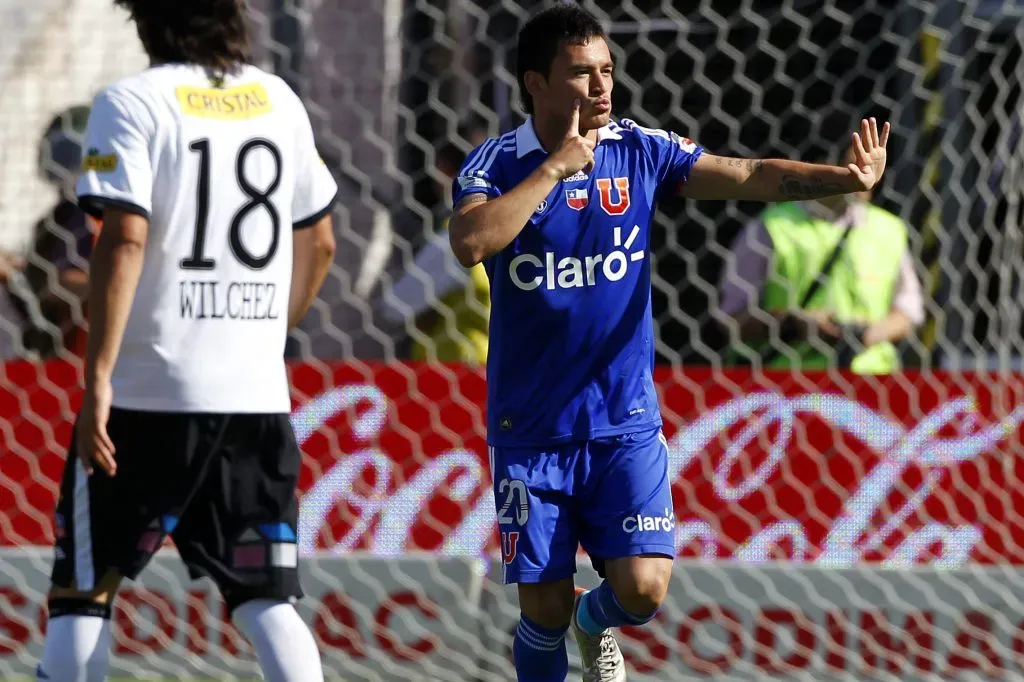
(899, 447)
(388, 511)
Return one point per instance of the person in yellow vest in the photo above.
(870, 299)
(448, 305)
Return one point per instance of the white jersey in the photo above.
(223, 172)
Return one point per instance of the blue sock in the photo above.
(539, 653)
(600, 609)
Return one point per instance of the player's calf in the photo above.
(548, 604)
(284, 646)
(539, 647)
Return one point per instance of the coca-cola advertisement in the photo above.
(829, 469)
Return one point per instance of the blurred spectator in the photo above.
(50, 291)
(449, 306)
(867, 296)
(11, 319)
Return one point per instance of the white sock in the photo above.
(77, 649)
(283, 644)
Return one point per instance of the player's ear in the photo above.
(535, 83)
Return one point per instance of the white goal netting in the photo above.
(829, 526)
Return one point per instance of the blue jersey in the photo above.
(571, 343)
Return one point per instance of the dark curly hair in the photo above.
(541, 37)
(209, 33)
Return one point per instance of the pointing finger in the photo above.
(574, 120)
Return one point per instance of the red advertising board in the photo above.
(836, 470)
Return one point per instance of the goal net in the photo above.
(828, 525)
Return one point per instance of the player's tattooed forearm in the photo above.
(795, 187)
(470, 199)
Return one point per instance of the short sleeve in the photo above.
(316, 192)
(673, 155)
(117, 170)
(478, 174)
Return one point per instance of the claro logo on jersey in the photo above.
(529, 272)
(644, 524)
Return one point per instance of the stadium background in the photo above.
(831, 527)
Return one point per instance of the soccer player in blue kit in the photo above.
(558, 211)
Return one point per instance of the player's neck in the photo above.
(550, 130)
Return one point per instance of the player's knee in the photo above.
(548, 604)
(643, 597)
(643, 586)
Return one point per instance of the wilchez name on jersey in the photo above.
(228, 301)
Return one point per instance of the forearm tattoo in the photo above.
(752, 165)
(796, 187)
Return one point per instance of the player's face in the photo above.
(581, 72)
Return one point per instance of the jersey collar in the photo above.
(527, 140)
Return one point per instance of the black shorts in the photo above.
(221, 485)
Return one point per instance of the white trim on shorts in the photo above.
(85, 574)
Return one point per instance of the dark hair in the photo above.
(209, 33)
(541, 37)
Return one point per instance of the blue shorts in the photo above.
(610, 495)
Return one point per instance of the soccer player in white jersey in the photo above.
(559, 212)
(216, 237)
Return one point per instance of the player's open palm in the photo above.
(92, 443)
(869, 153)
(575, 152)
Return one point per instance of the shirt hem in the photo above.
(194, 408)
(574, 437)
(537, 575)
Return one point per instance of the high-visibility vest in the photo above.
(860, 286)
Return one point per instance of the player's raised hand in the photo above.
(575, 152)
(869, 153)
(92, 443)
